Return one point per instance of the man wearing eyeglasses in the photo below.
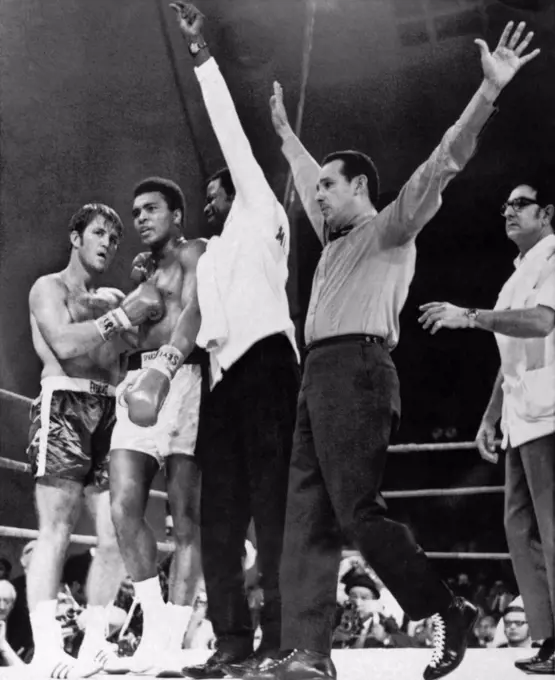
(516, 628)
(523, 399)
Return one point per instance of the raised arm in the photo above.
(420, 198)
(250, 183)
(305, 169)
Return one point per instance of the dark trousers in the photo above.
(530, 528)
(348, 406)
(246, 439)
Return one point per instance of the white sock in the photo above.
(149, 594)
(47, 632)
(178, 617)
(95, 630)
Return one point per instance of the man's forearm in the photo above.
(494, 408)
(517, 323)
(185, 332)
(306, 172)
(76, 339)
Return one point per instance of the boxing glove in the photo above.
(143, 304)
(103, 299)
(146, 395)
(141, 268)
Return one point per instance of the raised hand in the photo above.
(501, 66)
(190, 19)
(279, 114)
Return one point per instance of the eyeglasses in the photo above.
(518, 204)
(518, 624)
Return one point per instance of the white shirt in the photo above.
(242, 275)
(528, 364)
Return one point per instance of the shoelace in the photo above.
(280, 662)
(439, 637)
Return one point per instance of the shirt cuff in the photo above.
(478, 113)
(206, 70)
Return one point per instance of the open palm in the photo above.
(501, 66)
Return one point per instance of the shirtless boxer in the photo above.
(141, 445)
(77, 331)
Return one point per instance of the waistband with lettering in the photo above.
(56, 383)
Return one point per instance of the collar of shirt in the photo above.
(357, 221)
(536, 251)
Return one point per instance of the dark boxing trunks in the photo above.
(71, 428)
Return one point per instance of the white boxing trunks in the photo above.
(176, 430)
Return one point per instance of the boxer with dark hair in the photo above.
(156, 426)
(79, 331)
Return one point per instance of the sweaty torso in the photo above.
(168, 277)
(102, 363)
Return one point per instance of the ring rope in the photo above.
(8, 464)
(13, 532)
(79, 539)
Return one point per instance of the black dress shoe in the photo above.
(215, 667)
(538, 665)
(296, 664)
(252, 662)
(451, 632)
(544, 652)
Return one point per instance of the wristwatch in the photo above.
(471, 314)
(196, 47)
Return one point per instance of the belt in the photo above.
(198, 356)
(339, 339)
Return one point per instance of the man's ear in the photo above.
(550, 211)
(75, 238)
(177, 217)
(361, 185)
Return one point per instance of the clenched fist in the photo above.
(190, 19)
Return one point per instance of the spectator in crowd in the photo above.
(8, 656)
(422, 635)
(484, 632)
(516, 628)
(5, 569)
(361, 624)
(75, 572)
(19, 634)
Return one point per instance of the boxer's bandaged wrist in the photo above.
(167, 360)
(113, 322)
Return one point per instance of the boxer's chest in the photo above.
(169, 282)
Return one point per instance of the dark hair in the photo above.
(225, 180)
(86, 214)
(513, 609)
(170, 191)
(545, 193)
(356, 163)
(7, 565)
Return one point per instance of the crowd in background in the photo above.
(367, 614)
